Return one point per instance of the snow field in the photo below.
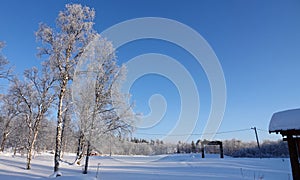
(172, 167)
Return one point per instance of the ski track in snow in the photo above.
(171, 167)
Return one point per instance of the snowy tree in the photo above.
(36, 96)
(237, 148)
(102, 107)
(18, 138)
(4, 71)
(64, 48)
(9, 112)
(46, 137)
(69, 129)
(8, 108)
(193, 147)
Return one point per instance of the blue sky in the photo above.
(257, 43)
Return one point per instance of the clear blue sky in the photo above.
(257, 43)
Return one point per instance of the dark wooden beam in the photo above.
(221, 151)
(293, 132)
(292, 144)
(202, 151)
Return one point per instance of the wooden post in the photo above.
(294, 157)
(298, 146)
(221, 150)
(202, 150)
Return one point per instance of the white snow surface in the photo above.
(172, 167)
(285, 120)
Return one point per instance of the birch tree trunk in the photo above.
(80, 149)
(64, 48)
(31, 147)
(59, 128)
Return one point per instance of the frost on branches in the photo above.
(4, 71)
(63, 46)
(101, 107)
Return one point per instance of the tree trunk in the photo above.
(5, 135)
(79, 153)
(15, 149)
(78, 147)
(30, 150)
(59, 126)
(29, 156)
(87, 158)
(4, 138)
(62, 140)
(58, 146)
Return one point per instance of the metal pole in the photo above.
(257, 141)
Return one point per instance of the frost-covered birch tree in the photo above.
(101, 106)
(64, 46)
(8, 105)
(9, 112)
(36, 96)
(69, 130)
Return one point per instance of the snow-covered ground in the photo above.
(172, 167)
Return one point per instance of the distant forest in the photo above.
(233, 148)
(110, 144)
